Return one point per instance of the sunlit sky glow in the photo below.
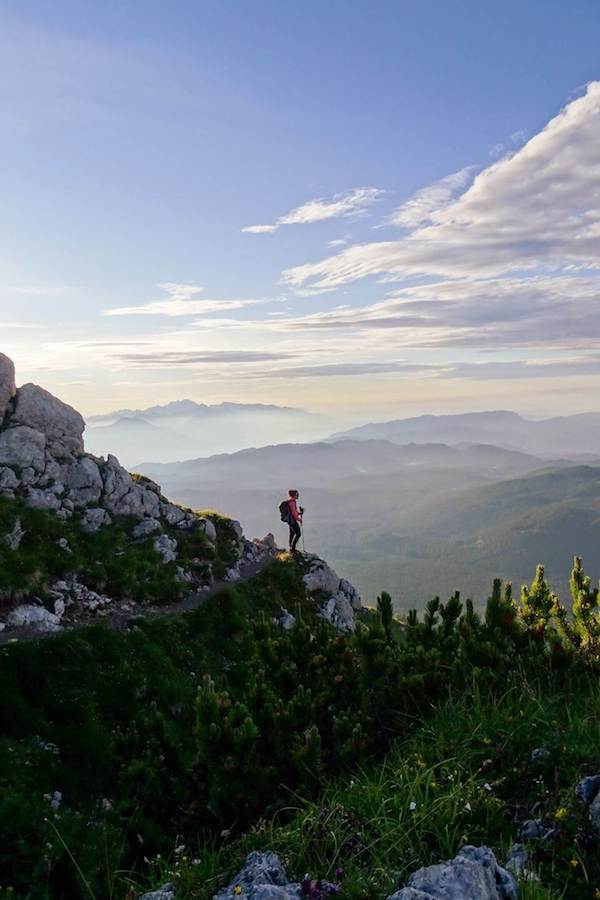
(369, 209)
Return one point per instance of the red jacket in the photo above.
(294, 511)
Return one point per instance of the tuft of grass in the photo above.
(463, 777)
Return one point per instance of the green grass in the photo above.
(109, 562)
(469, 774)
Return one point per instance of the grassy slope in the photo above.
(468, 771)
(99, 715)
(109, 561)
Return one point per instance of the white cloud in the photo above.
(538, 209)
(423, 206)
(350, 203)
(181, 302)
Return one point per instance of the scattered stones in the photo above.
(473, 874)
(268, 542)
(166, 547)
(145, 528)
(63, 544)
(13, 539)
(587, 789)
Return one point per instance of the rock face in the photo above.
(61, 424)
(262, 877)
(341, 599)
(7, 384)
(43, 462)
(473, 874)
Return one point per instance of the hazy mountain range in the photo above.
(417, 506)
(184, 429)
(577, 434)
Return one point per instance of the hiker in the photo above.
(292, 514)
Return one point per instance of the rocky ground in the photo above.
(44, 466)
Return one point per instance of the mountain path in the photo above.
(123, 614)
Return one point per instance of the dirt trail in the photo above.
(122, 614)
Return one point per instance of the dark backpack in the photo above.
(284, 511)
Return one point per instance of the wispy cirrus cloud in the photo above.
(352, 203)
(424, 205)
(181, 301)
(560, 311)
(537, 209)
(166, 359)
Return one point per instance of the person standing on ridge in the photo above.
(294, 518)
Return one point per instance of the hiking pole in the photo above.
(302, 514)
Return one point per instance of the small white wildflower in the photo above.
(179, 850)
(196, 862)
(412, 805)
(468, 806)
(487, 786)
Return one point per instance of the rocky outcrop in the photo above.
(473, 874)
(339, 600)
(7, 384)
(43, 462)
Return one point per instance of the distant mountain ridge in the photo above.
(184, 429)
(576, 434)
(188, 408)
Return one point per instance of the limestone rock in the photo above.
(13, 538)
(588, 788)
(8, 480)
(343, 599)
(209, 530)
(145, 528)
(166, 547)
(173, 514)
(21, 446)
(83, 481)
(40, 499)
(37, 617)
(61, 424)
(473, 874)
(94, 518)
(237, 529)
(320, 577)
(595, 814)
(262, 877)
(166, 892)
(7, 384)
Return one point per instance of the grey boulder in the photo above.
(61, 424)
(166, 892)
(587, 789)
(7, 384)
(36, 617)
(166, 547)
(473, 874)
(262, 877)
(83, 481)
(145, 528)
(94, 519)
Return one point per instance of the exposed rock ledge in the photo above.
(43, 463)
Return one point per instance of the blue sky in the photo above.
(433, 217)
